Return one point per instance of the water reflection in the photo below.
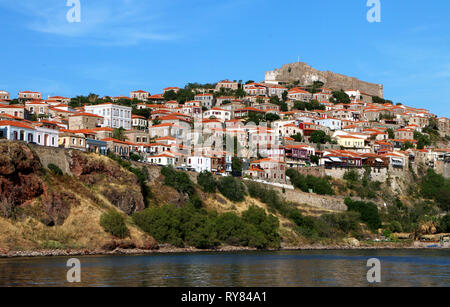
(292, 269)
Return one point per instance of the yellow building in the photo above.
(353, 143)
(72, 139)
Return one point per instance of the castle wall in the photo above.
(305, 74)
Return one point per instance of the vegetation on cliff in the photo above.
(202, 229)
(318, 185)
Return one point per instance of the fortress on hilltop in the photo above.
(305, 75)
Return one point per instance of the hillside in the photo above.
(40, 209)
(54, 199)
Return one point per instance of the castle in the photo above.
(305, 74)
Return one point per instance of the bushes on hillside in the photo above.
(445, 224)
(188, 226)
(207, 182)
(114, 223)
(351, 176)
(368, 210)
(437, 187)
(178, 180)
(318, 185)
(231, 188)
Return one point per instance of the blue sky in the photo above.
(123, 45)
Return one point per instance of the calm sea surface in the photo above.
(248, 269)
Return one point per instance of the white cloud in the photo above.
(119, 22)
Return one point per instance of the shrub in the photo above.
(207, 182)
(445, 224)
(55, 169)
(318, 185)
(231, 188)
(114, 223)
(231, 229)
(345, 222)
(267, 224)
(178, 180)
(369, 212)
(437, 187)
(134, 157)
(188, 226)
(351, 175)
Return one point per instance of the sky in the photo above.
(124, 45)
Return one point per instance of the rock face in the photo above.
(19, 177)
(120, 187)
(21, 183)
(305, 74)
(57, 206)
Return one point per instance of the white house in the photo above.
(163, 159)
(332, 123)
(199, 163)
(221, 114)
(46, 134)
(16, 131)
(115, 116)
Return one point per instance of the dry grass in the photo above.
(81, 230)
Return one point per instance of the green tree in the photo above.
(231, 188)
(170, 95)
(207, 182)
(297, 137)
(391, 134)
(114, 223)
(271, 117)
(319, 137)
(236, 166)
(119, 134)
(369, 212)
(340, 97)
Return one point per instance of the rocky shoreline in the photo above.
(171, 249)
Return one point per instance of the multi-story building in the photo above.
(207, 100)
(173, 88)
(36, 107)
(85, 121)
(115, 116)
(299, 94)
(26, 95)
(13, 110)
(139, 122)
(268, 170)
(199, 163)
(140, 95)
(55, 100)
(405, 134)
(221, 114)
(227, 85)
(4, 95)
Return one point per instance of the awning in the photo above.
(335, 159)
(379, 160)
(326, 160)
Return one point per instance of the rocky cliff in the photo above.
(306, 75)
(40, 208)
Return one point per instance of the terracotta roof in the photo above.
(15, 124)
